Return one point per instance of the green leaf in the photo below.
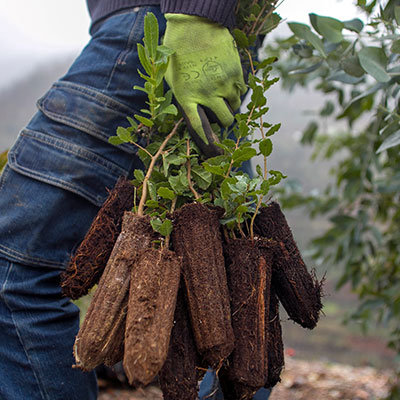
(306, 70)
(171, 109)
(303, 31)
(241, 39)
(266, 147)
(133, 123)
(355, 25)
(156, 224)
(302, 50)
(276, 177)
(344, 221)
(341, 76)
(275, 128)
(140, 88)
(143, 59)
(166, 193)
(152, 204)
(392, 141)
(115, 140)
(365, 93)
(257, 97)
(243, 154)
(329, 28)
(395, 47)
(264, 187)
(226, 190)
(215, 169)
(242, 209)
(160, 73)
(166, 228)
(163, 227)
(397, 13)
(139, 175)
(175, 159)
(179, 183)
(145, 121)
(124, 134)
(202, 177)
(374, 61)
(152, 190)
(351, 65)
(165, 51)
(151, 34)
(327, 110)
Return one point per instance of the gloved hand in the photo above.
(205, 75)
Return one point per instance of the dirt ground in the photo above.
(301, 380)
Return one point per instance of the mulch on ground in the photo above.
(301, 380)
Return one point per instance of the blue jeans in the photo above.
(58, 174)
(57, 177)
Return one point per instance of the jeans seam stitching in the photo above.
(128, 47)
(68, 148)
(43, 393)
(91, 129)
(94, 94)
(97, 199)
(24, 258)
(4, 175)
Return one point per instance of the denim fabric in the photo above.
(61, 166)
(37, 329)
(58, 175)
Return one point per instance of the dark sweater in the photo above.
(221, 11)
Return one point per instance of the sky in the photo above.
(39, 29)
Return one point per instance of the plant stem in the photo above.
(142, 148)
(154, 158)
(189, 171)
(231, 163)
(240, 226)
(173, 205)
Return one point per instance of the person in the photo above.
(61, 165)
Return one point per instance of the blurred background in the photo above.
(38, 42)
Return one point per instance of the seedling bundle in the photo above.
(194, 260)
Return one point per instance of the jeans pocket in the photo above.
(50, 192)
(87, 110)
(66, 165)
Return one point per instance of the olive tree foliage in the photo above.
(356, 65)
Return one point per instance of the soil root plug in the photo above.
(88, 263)
(249, 280)
(152, 299)
(299, 292)
(100, 333)
(275, 352)
(181, 371)
(197, 238)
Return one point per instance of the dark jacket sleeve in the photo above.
(222, 11)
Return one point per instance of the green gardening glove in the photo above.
(205, 75)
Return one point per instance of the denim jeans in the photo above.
(58, 174)
(57, 177)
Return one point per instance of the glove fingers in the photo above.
(200, 130)
(238, 89)
(193, 120)
(222, 111)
